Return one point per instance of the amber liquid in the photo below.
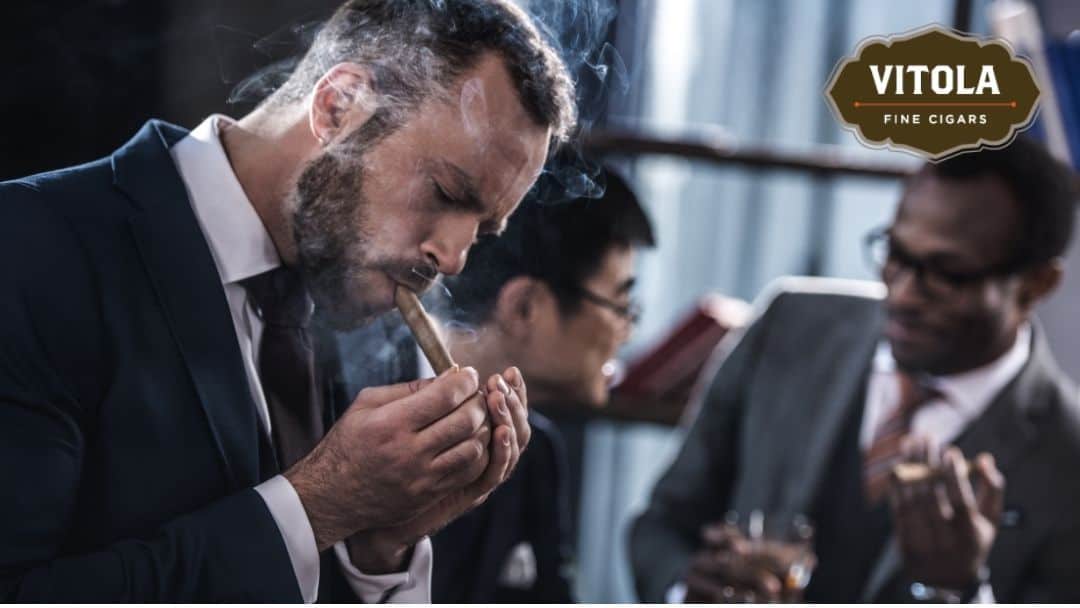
(790, 562)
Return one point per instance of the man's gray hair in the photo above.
(416, 48)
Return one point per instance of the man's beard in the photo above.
(333, 231)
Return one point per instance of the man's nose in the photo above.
(448, 252)
(904, 286)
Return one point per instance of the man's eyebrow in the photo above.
(937, 257)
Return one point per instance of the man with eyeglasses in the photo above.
(552, 295)
(836, 382)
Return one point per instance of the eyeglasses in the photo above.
(630, 312)
(888, 258)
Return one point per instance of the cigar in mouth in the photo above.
(911, 472)
(423, 329)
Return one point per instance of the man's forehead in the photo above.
(958, 219)
(962, 207)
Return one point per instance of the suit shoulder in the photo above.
(71, 192)
(1058, 415)
(823, 289)
(809, 300)
(37, 214)
(69, 180)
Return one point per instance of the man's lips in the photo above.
(415, 283)
(906, 330)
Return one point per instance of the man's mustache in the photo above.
(417, 276)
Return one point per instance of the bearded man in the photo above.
(166, 430)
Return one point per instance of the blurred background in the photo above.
(713, 108)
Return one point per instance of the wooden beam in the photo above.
(821, 160)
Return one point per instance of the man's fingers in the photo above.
(712, 578)
(513, 377)
(765, 585)
(990, 488)
(517, 402)
(376, 396)
(438, 397)
(457, 426)
(956, 482)
(498, 463)
(909, 530)
(704, 589)
(462, 464)
(931, 530)
(500, 416)
(719, 535)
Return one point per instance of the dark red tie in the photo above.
(286, 363)
(884, 451)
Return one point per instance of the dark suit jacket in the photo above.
(770, 419)
(128, 434)
(472, 551)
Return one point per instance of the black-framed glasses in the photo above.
(887, 257)
(630, 311)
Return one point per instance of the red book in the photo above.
(669, 369)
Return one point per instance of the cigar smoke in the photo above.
(581, 30)
(257, 66)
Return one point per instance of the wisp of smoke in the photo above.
(259, 66)
(580, 28)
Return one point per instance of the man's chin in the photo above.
(919, 360)
(353, 307)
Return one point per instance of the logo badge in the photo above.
(934, 92)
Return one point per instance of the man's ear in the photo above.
(1040, 282)
(343, 97)
(520, 304)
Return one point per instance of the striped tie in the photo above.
(884, 451)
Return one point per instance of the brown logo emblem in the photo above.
(934, 92)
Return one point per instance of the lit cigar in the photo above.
(423, 329)
(911, 472)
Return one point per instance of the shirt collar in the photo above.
(239, 242)
(971, 391)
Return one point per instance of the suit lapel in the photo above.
(1003, 430)
(857, 340)
(185, 279)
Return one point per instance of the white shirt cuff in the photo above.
(676, 594)
(985, 595)
(292, 521)
(413, 586)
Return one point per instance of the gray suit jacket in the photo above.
(770, 417)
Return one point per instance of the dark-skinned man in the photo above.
(835, 382)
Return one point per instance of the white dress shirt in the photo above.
(964, 396)
(242, 248)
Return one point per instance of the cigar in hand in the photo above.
(423, 329)
(911, 472)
